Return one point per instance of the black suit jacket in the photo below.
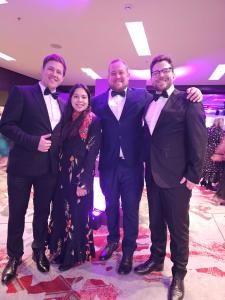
(126, 133)
(178, 143)
(24, 119)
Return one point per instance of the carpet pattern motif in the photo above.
(97, 280)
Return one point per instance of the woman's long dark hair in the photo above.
(70, 127)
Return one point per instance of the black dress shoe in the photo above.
(9, 271)
(176, 291)
(125, 265)
(108, 251)
(41, 260)
(148, 267)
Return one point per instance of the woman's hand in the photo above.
(81, 191)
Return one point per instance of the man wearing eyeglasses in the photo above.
(175, 143)
(120, 164)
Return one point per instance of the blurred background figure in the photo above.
(213, 170)
(4, 147)
(219, 156)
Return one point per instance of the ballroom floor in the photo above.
(99, 280)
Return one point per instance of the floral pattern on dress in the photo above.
(70, 235)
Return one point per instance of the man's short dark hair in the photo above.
(55, 57)
(160, 58)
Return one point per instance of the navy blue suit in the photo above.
(122, 178)
(25, 118)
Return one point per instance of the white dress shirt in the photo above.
(53, 109)
(154, 110)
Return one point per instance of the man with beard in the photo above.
(175, 140)
(121, 167)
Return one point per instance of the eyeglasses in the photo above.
(164, 71)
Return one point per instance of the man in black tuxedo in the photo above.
(175, 140)
(32, 120)
(120, 164)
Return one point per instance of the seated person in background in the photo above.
(213, 170)
(70, 235)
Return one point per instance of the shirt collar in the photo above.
(43, 88)
(170, 90)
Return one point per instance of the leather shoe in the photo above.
(125, 265)
(176, 291)
(41, 260)
(10, 269)
(108, 251)
(148, 267)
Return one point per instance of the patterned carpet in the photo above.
(99, 280)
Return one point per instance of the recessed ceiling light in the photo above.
(6, 57)
(218, 72)
(128, 6)
(138, 37)
(56, 46)
(91, 73)
(3, 1)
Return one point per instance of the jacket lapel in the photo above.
(170, 102)
(37, 94)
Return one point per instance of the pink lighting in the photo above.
(99, 199)
(140, 74)
(182, 71)
(145, 74)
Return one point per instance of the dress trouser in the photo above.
(125, 183)
(19, 189)
(169, 207)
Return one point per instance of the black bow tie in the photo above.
(48, 92)
(114, 93)
(157, 96)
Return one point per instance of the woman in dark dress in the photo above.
(212, 171)
(70, 236)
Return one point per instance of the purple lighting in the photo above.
(99, 199)
(182, 71)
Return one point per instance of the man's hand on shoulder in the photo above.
(194, 94)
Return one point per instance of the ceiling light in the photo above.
(138, 37)
(218, 73)
(55, 46)
(91, 73)
(6, 57)
(3, 1)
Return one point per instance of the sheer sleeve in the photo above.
(92, 149)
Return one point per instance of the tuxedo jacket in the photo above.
(24, 119)
(127, 132)
(177, 145)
